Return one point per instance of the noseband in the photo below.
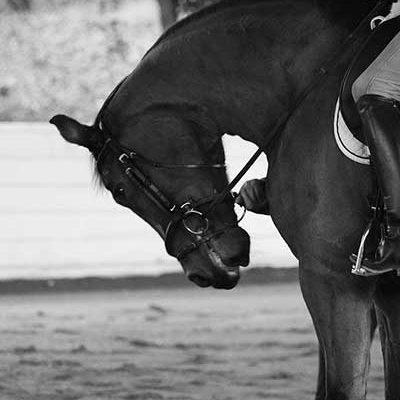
(188, 214)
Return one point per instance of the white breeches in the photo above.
(382, 77)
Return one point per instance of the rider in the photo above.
(377, 95)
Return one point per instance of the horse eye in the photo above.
(118, 191)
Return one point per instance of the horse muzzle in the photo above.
(217, 262)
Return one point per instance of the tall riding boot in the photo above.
(381, 122)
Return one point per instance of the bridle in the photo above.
(193, 215)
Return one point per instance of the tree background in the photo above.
(67, 55)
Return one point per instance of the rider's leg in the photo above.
(377, 92)
(381, 122)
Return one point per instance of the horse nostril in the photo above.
(199, 280)
(241, 260)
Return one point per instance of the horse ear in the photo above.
(75, 132)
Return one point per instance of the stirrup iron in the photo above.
(357, 268)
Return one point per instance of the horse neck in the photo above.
(248, 83)
(242, 71)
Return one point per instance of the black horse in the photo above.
(238, 67)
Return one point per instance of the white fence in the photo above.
(55, 223)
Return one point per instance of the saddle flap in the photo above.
(348, 144)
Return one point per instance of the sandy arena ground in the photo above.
(256, 342)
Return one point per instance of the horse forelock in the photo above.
(96, 176)
(97, 179)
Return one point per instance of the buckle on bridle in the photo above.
(123, 158)
(188, 213)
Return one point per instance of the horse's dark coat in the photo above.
(237, 67)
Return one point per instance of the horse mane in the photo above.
(344, 12)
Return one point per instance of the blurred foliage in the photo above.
(65, 56)
(19, 5)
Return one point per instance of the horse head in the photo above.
(163, 170)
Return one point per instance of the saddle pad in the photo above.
(348, 144)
